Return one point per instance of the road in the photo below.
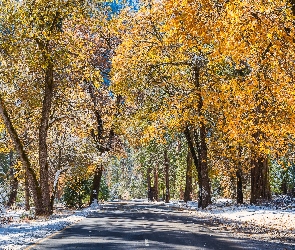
(147, 226)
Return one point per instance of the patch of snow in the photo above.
(19, 231)
(57, 174)
(272, 221)
(275, 220)
(139, 200)
(94, 205)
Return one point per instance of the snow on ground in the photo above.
(270, 222)
(273, 221)
(18, 231)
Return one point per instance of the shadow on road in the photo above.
(147, 226)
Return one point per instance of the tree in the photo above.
(189, 178)
(164, 74)
(260, 92)
(37, 48)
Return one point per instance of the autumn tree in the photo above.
(104, 105)
(36, 50)
(254, 40)
(164, 52)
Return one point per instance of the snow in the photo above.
(94, 205)
(57, 174)
(274, 221)
(17, 231)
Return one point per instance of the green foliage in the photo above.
(282, 178)
(76, 192)
(4, 165)
(104, 192)
(217, 190)
(125, 176)
(275, 177)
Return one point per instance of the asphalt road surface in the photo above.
(147, 226)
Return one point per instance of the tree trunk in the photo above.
(27, 193)
(103, 144)
(53, 194)
(284, 185)
(260, 186)
(167, 193)
(200, 142)
(156, 181)
(96, 184)
(34, 185)
(188, 178)
(13, 182)
(149, 184)
(240, 198)
(43, 131)
(13, 190)
(189, 139)
(202, 152)
(56, 179)
(41, 193)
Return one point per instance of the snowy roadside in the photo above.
(272, 222)
(20, 233)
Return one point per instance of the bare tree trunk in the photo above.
(240, 198)
(149, 184)
(156, 194)
(13, 182)
(188, 178)
(103, 143)
(239, 175)
(96, 184)
(13, 190)
(260, 186)
(43, 131)
(167, 165)
(34, 185)
(201, 144)
(202, 152)
(27, 193)
(191, 146)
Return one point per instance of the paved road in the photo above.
(146, 226)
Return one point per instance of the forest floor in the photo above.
(272, 223)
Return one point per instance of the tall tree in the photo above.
(164, 73)
(35, 54)
(259, 89)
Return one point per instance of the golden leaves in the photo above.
(246, 86)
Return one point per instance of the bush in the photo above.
(76, 192)
(104, 193)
